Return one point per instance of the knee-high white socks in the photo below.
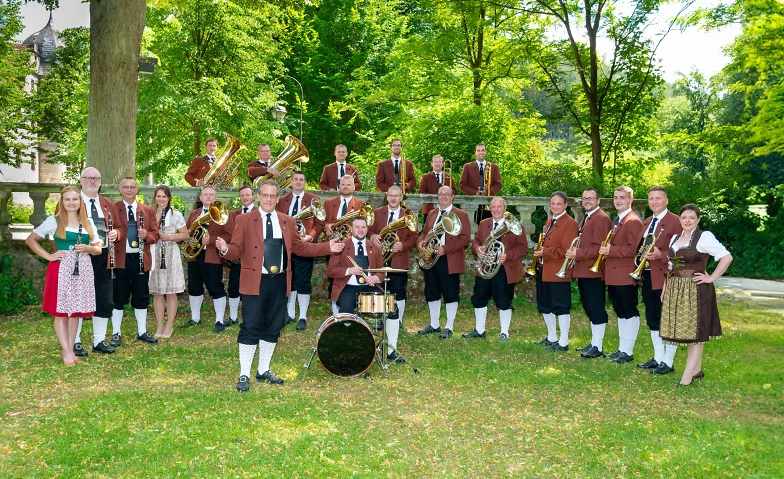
(564, 321)
(658, 346)
(117, 315)
(141, 320)
(234, 308)
(549, 321)
(506, 320)
(435, 313)
(669, 354)
(304, 303)
(220, 309)
(265, 355)
(195, 308)
(401, 308)
(335, 309)
(451, 313)
(291, 304)
(627, 333)
(78, 338)
(393, 328)
(481, 319)
(247, 351)
(99, 329)
(597, 335)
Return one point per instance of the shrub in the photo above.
(16, 290)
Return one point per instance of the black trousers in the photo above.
(438, 283)
(347, 301)
(397, 284)
(234, 280)
(553, 298)
(302, 274)
(130, 285)
(496, 288)
(481, 214)
(201, 273)
(652, 299)
(104, 286)
(624, 300)
(263, 314)
(592, 295)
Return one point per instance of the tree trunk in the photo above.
(116, 28)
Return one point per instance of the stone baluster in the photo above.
(39, 207)
(5, 215)
(525, 211)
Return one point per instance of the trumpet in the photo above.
(428, 255)
(648, 243)
(568, 263)
(342, 227)
(531, 269)
(217, 213)
(597, 266)
(111, 244)
(493, 248)
(389, 236)
(316, 209)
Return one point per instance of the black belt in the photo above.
(266, 275)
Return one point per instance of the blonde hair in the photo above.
(62, 215)
(626, 189)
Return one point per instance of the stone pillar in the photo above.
(5, 216)
(39, 207)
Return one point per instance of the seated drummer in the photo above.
(348, 279)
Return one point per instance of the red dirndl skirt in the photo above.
(50, 293)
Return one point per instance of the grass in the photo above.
(478, 408)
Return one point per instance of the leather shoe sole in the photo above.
(269, 377)
(544, 342)
(584, 348)
(557, 347)
(475, 334)
(624, 358)
(302, 324)
(446, 334)
(662, 369)
(613, 355)
(651, 364)
(146, 338)
(592, 353)
(429, 330)
(104, 348)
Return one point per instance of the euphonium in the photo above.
(225, 169)
(531, 269)
(493, 248)
(597, 266)
(389, 236)
(217, 213)
(568, 263)
(342, 227)
(451, 225)
(316, 209)
(648, 243)
(284, 163)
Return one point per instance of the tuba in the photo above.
(489, 265)
(342, 227)
(450, 224)
(648, 244)
(218, 213)
(568, 263)
(316, 209)
(531, 269)
(225, 168)
(389, 237)
(284, 163)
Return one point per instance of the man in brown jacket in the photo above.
(475, 176)
(434, 180)
(333, 172)
(389, 171)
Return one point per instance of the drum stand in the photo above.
(381, 355)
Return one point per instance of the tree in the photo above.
(15, 137)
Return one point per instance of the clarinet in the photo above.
(160, 243)
(78, 242)
(111, 244)
(141, 244)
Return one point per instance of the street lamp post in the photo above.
(279, 112)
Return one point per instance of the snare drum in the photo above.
(345, 345)
(373, 303)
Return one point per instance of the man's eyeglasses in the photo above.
(91, 178)
(267, 196)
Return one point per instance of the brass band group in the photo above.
(109, 254)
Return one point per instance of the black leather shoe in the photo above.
(613, 355)
(79, 350)
(662, 369)
(544, 342)
(394, 357)
(475, 334)
(147, 338)
(104, 348)
(268, 376)
(557, 347)
(187, 325)
(429, 329)
(243, 385)
(228, 322)
(219, 327)
(503, 338)
(301, 324)
(446, 333)
(585, 348)
(592, 353)
(288, 320)
(651, 364)
(624, 358)
(116, 340)
(699, 375)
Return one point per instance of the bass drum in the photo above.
(345, 345)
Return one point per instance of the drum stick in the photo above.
(363, 273)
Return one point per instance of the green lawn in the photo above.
(478, 408)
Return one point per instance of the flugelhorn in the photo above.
(316, 209)
(342, 227)
(648, 243)
(217, 213)
(568, 263)
(225, 169)
(493, 248)
(531, 269)
(285, 163)
(428, 255)
(597, 266)
(388, 233)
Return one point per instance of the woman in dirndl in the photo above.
(167, 277)
(69, 291)
(689, 312)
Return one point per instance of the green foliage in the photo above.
(16, 289)
(19, 213)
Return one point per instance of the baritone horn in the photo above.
(568, 263)
(316, 209)
(284, 163)
(342, 227)
(217, 213)
(493, 248)
(225, 169)
(389, 236)
(428, 255)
